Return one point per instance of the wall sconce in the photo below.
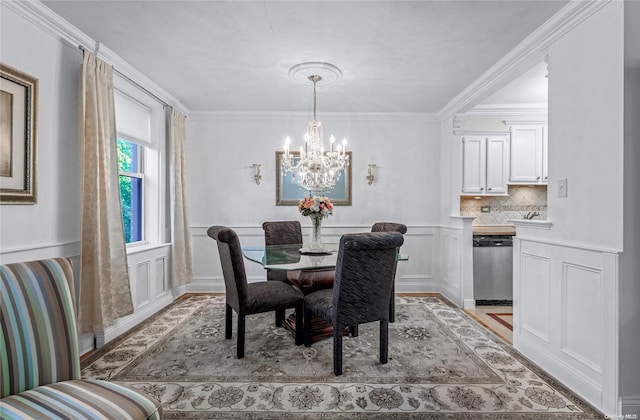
(256, 173)
(371, 175)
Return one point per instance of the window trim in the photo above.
(154, 165)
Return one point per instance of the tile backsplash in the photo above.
(522, 200)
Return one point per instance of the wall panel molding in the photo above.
(578, 341)
(418, 274)
(41, 251)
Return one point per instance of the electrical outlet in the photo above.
(562, 187)
(485, 209)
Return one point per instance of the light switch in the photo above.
(562, 187)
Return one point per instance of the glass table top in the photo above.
(295, 257)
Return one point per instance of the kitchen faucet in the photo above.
(531, 215)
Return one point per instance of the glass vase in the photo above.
(316, 233)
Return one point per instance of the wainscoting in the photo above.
(419, 274)
(563, 317)
(149, 272)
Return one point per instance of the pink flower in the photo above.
(313, 205)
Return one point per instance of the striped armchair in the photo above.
(40, 364)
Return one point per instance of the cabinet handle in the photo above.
(481, 189)
(546, 178)
(538, 178)
(489, 189)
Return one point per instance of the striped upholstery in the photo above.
(33, 310)
(39, 361)
(78, 399)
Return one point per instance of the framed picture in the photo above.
(288, 193)
(18, 111)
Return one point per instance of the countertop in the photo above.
(506, 230)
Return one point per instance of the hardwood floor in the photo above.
(497, 319)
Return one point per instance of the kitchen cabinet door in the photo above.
(474, 157)
(528, 158)
(497, 165)
(485, 165)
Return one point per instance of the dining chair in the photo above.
(361, 290)
(281, 233)
(290, 232)
(391, 227)
(250, 298)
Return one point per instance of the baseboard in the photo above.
(469, 304)
(124, 324)
(572, 379)
(86, 343)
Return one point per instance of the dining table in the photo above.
(296, 257)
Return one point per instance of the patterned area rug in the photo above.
(441, 365)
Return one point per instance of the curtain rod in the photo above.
(127, 78)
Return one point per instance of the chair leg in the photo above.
(240, 342)
(384, 341)
(392, 303)
(228, 319)
(300, 331)
(337, 349)
(307, 327)
(353, 330)
(280, 314)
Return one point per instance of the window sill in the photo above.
(135, 249)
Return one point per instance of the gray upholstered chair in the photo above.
(361, 291)
(250, 298)
(290, 233)
(391, 227)
(281, 233)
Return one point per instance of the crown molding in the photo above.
(44, 18)
(509, 123)
(326, 116)
(515, 110)
(533, 47)
(480, 133)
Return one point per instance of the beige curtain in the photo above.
(105, 292)
(181, 272)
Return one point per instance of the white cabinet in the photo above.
(485, 163)
(528, 154)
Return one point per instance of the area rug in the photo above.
(441, 365)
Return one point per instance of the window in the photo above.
(130, 166)
(141, 144)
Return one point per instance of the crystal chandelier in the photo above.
(317, 169)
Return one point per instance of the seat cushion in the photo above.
(271, 295)
(81, 399)
(320, 303)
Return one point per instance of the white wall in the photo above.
(585, 123)
(566, 273)
(630, 266)
(32, 42)
(221, 189)
(52, 226)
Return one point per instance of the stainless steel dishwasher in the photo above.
(493, 270)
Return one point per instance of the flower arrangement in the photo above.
(315, 205)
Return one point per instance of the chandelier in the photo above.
(317, 169)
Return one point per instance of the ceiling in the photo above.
(395, 56)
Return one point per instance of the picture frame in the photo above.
(288, 193)
(18, 136)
